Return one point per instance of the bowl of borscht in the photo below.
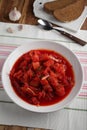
(42, 76)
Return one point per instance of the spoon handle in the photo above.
(77, 40)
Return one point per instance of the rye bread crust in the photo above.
(70, 12)
(49, 7)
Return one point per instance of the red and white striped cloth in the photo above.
(73, 116)
(5, 50)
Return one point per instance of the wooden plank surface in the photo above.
(6, 127)
(26, 7)
(2, 127)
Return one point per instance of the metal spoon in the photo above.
(48, 26)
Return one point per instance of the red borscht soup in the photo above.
(42, 77)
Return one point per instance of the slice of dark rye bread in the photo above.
(56, 4)
(70, 12)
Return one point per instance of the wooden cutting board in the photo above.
(26, 9)
(5, 127)
(24, 6)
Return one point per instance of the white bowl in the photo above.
(67, 53)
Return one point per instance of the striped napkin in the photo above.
(73, 116)
(5, 50)
(19, 116)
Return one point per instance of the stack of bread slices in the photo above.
(65, 10)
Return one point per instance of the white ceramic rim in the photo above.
(67, 53)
